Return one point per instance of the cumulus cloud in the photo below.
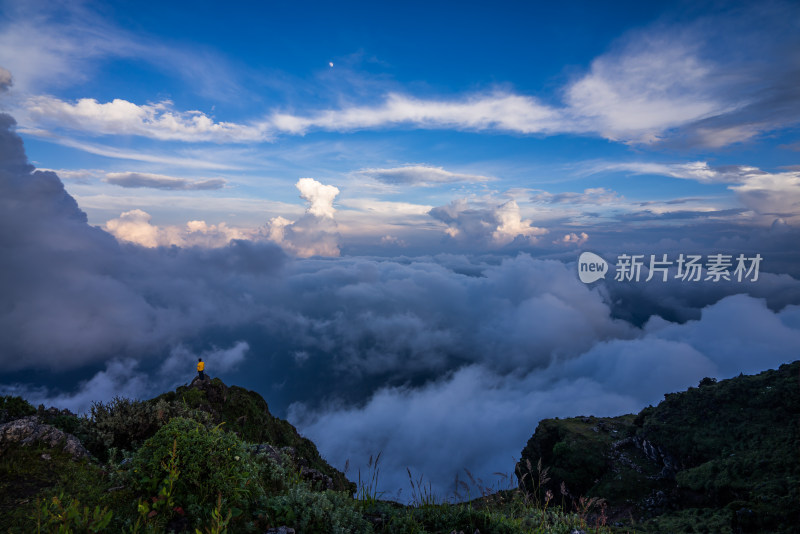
(776, 195)
(134, 227)
(421, 175)
(320, 197)
(315, 233)
(572, 239)
(160, 181)
(498, 224)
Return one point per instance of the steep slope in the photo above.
(722, 457)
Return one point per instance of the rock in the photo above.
(29, 431)
(216, 391)
(280, 530)
(670, 466)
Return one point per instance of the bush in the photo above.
(209, 462)
(312, 512)
(55, 516)
(124, 423)
(12, 407)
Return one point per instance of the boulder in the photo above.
(29, 431)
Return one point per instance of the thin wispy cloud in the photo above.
(421, 175)
(160, 181)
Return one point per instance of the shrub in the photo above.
(312, 512)
(12, 407)
(209, 462)
(124, 423)
(55, 516)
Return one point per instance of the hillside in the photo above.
(46, 448)
(721, 457)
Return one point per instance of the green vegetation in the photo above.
(718, 458)
(721, 457)
(14, 408)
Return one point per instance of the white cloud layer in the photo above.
(479, 419)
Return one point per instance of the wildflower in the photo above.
(236, 458)
(548, 496)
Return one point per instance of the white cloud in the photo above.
(498, 224)
(699, 171)
(126, 378)
(495, 111)
(701, 79)
(160, 181)
(572, 239)
(116, 153)
(421, 175)
(319, 195)
(121, 117)
(377, 207)
(636, 95)
(315, 233)
(593, 195)
(49, 45)
(478, 419)
(134, 227)
(772, 194)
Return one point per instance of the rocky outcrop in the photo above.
(30, 431)
(657, 454)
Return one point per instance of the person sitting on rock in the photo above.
(200, 367)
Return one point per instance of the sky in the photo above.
(373, 213)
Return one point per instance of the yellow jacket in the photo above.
(201, 366)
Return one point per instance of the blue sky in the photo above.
(215, 114)
(371, 213)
